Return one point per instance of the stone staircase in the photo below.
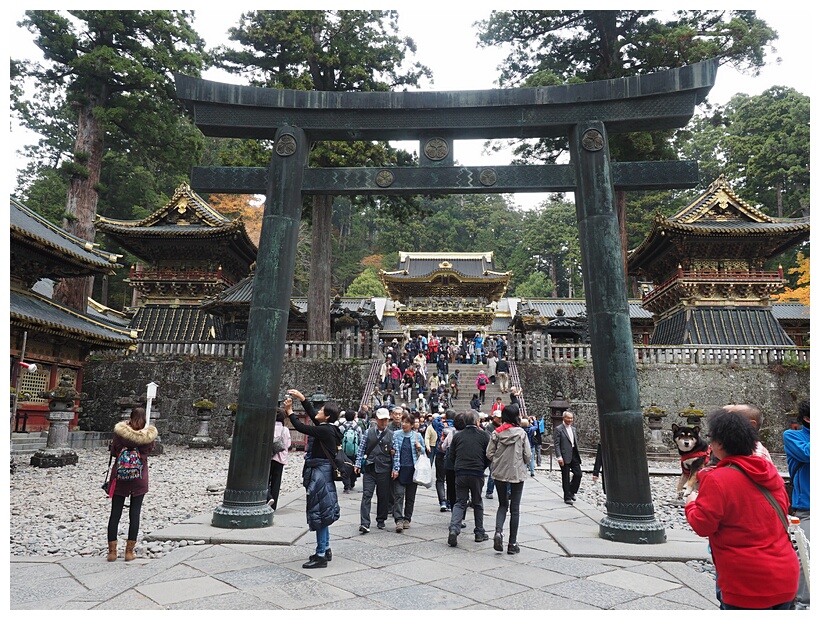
(468, 374)
(23, 444)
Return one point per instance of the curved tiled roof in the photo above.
(546, 309)
(33, 229)
(48, 316)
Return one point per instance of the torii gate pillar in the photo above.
(630, 514)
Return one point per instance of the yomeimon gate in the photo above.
(584, 113)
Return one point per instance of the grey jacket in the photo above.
(510, 453)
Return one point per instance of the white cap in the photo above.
(382, 413)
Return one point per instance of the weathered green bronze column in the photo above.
(630, 513)
(244, 503)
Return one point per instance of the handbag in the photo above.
(339, 463)
(423, 474)
(107, 484)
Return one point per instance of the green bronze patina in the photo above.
(585, 113)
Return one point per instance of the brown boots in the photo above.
(112, 551)
(129, 550)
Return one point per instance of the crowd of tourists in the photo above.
(424, 373)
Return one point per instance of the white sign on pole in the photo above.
(151, 394)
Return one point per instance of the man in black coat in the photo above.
(566, 451)
(468, 452)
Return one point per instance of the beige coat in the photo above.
(510, 453)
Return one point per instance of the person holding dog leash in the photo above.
(741, 507)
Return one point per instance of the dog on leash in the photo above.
(694, 456)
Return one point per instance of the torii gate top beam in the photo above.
(662, 100)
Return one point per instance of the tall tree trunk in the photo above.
(779, 199)
(81, 203)
(620, 206)
(320, 267)
(554, 276)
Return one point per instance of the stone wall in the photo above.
(184, 381)
(776, 390)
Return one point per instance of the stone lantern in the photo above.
(557, 409)
(61, 402)
(128, 404)
(318, 398)
(654, 416)
(202, 439)
(693, 416)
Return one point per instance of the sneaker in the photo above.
(364, 530)
(452, 539)
(481, 537)
(271, 502)
(406, 524)
(498, 542)
(316, 561)
(489, 496)
(347, 491)
(443, 507)
(399, 526)
(513, 548)
(328, 554)
(463, 524)
(381, 525)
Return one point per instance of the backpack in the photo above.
(482, 381)
(129, 464)
(350, 442)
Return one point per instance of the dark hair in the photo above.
(407, 417)
(332, 411)
(280, 415)
(733, 431)
(460, 423)
(509, 414)
(350, 415)
(802, 410)
(137, 421)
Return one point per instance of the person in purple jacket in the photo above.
(133, 434)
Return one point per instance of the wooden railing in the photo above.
(343, 347)
(540, 348)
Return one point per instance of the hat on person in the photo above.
(436, 415)
(497, 413)
(482, 415)
(382, 413)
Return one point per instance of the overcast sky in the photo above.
(446, 42)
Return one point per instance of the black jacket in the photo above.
(469, 451)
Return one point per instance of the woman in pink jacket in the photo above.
(278, 458)
(757, 567)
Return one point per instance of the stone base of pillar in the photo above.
(53, 458)
(242, 517)
(645, 532)
(200, 442)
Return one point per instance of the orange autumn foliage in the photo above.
(802, 292)
(246, 206)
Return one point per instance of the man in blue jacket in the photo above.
(798, 449)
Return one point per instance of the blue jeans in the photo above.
(532, 461)
(490, 481)
(322, 540)
(786, 605)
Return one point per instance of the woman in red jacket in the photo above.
(132, 434)
(757, 567)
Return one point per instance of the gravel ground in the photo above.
(62, 511)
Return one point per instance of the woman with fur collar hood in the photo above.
(510, 453)
(131, 434)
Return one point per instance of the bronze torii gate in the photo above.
(585, 113)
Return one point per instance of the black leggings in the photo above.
(117, 503)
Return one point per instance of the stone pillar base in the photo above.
(647, 532)
(200, 442)
(242, 517)
(53, 458)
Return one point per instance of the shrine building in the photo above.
(704, 271)
(46, 334)
(190, 252)
(446, 293)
